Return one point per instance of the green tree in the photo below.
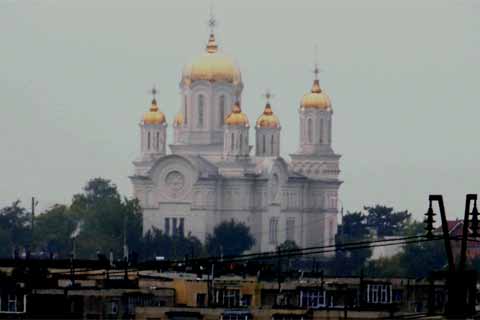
(386, 221)
(15, 231)
(53, 229)
(287, 246)
(353, 229)
(156, 243)
(106, 217)
(229, 238)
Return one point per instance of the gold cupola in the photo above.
(178, 122)
(316, 98)
(267, 119)
(237, 117)
(212, 66)
(154, 115)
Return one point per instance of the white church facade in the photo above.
(213, 173)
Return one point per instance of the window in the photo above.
(185, 113)
(167, 226)
(332, 201)
(312, 298)
(272, 144)
(148, 140)
(181, 227)
(329, 123)
(174, 226)
(157, 142)
(201, 299)
(273, 231)
(379, 293)
(309, 130)
(236, 315)
(321, 131)
(264, 142)
(246, 300)
(232, 141)
(227, 297)
(221, 111)
(291, 229)
(201, 102)
(240, 140)
(114, 307)
(12, 303)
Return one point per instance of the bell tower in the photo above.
(267, 132)
(153, 136)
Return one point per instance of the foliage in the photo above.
(229, 239)
(353, 229)
(385, 221)
(106, 218)
(287, 246)
(156, 243)
(416, 260)
(15, 229)
(53, 229)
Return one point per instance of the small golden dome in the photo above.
(237, 117)
(316, 99)
(154, 116)
(268, 119)
(178, 120)
(212, 66)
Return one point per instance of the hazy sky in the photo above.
(403, 77)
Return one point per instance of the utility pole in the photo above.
(34, 204)
(125, 248)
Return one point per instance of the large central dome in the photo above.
(212, 66)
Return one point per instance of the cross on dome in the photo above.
(268, 95)
(212, 22)
(154, 92)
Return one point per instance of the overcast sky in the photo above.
(403, 78)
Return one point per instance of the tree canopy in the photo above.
(385, 221)
(354, 228)
(15, 228)
(229, 238)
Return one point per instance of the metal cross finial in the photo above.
(153, 91)
(316, 69)
(212, 22)
(268, 95)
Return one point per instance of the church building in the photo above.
(212, 173)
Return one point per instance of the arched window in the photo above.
(201, 102)
(264, 143)
(148, 140)
(232, 141)
(157, 142)
(240, 141)
(221, 111)
(309, 130)
(321, 131)
(329, 130)
(272, 143)
(273, 230)
(185, 113)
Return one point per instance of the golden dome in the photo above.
(237, 117)
(154, 116)
(178, 120)
(212, 66)
(316, 99)
(268, 119)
